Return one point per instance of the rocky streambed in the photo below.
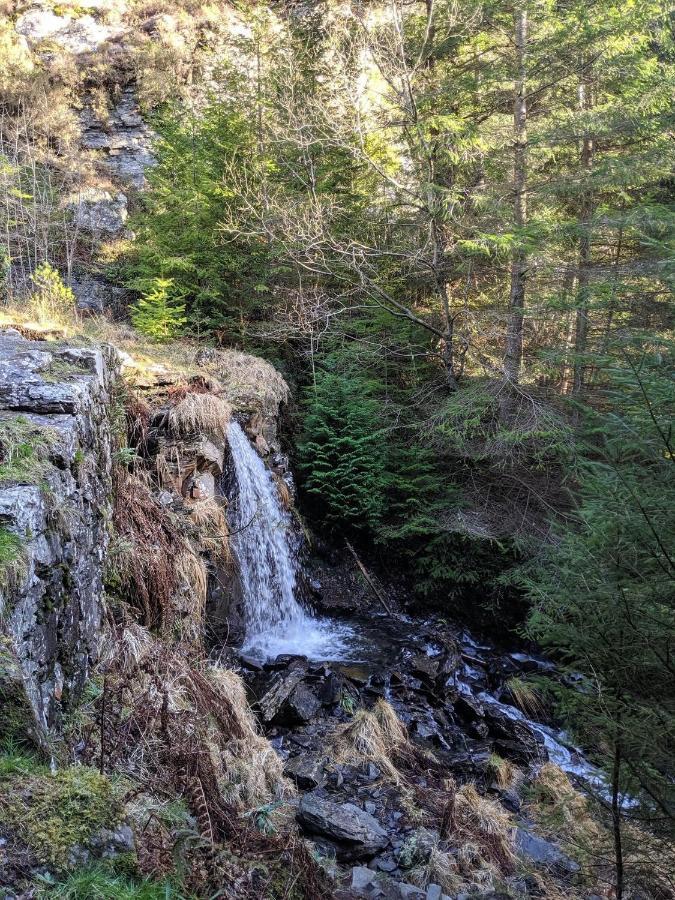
(454, 695)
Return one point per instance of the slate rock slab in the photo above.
(355, 833)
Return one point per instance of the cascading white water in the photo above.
(275, 621)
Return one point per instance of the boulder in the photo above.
(271, 705)
(306, 770)
(364, 881)
(543, 853)
(355, 833)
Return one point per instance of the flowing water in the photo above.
(277, 623)
(275, 620)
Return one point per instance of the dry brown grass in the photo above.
(170, 719)
(486, 825)
(157, 568)
(213, 535)
(372, 736)
(503, 771)
(200, 413)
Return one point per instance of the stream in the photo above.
(307, 674)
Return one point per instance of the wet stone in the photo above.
(306, 771)
(543, 853)
(355, 833)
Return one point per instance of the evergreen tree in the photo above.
(603, 597)
(159, 312)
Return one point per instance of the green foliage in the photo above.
(52, 813)
(11, 557)
(16, 760)
(50, 299)
(603, 594)
(342, 452)
(180, 238)
(99, 883)
(159, 312)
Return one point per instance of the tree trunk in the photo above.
(514, 330)
(581, 329)
(616, 820)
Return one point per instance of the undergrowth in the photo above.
(53, 813)
(99, 883)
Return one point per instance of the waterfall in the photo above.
(275, 621)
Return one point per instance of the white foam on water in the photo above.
(276, 622)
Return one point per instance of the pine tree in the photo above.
(159, 313)
(603, 597)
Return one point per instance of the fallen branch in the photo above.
(370, 581)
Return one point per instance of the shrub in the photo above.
(51, 300)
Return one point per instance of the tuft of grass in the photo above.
(200, 413)
(16, 760)
(502, 770)
(213, 535)
(24, 451)
(525, 696)
(12, 563)
(99, 883)
(372, 736)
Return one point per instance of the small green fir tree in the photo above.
(159, 314)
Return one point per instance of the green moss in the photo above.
(16, 715)
(24, 451)
(52, 813)
(11, 558)
(63, 370)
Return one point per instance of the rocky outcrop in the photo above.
(55, 404)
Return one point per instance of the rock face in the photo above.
(355, 833)
(124, 140)
(97, 211)
(52, 611)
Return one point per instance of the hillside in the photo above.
(336, 401)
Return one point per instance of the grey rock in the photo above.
(270, 705)
(363, 880)
(306, 771)
(98, 212)
(543, 853)
(386, 864)
(80, 35)
(96, 295)
(409, 891)
(53, 614)
(289, 701)
(109, 843)
(355, 833)
(434, 892)
(123, 139)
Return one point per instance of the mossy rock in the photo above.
(17, 722)
(53, 814)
